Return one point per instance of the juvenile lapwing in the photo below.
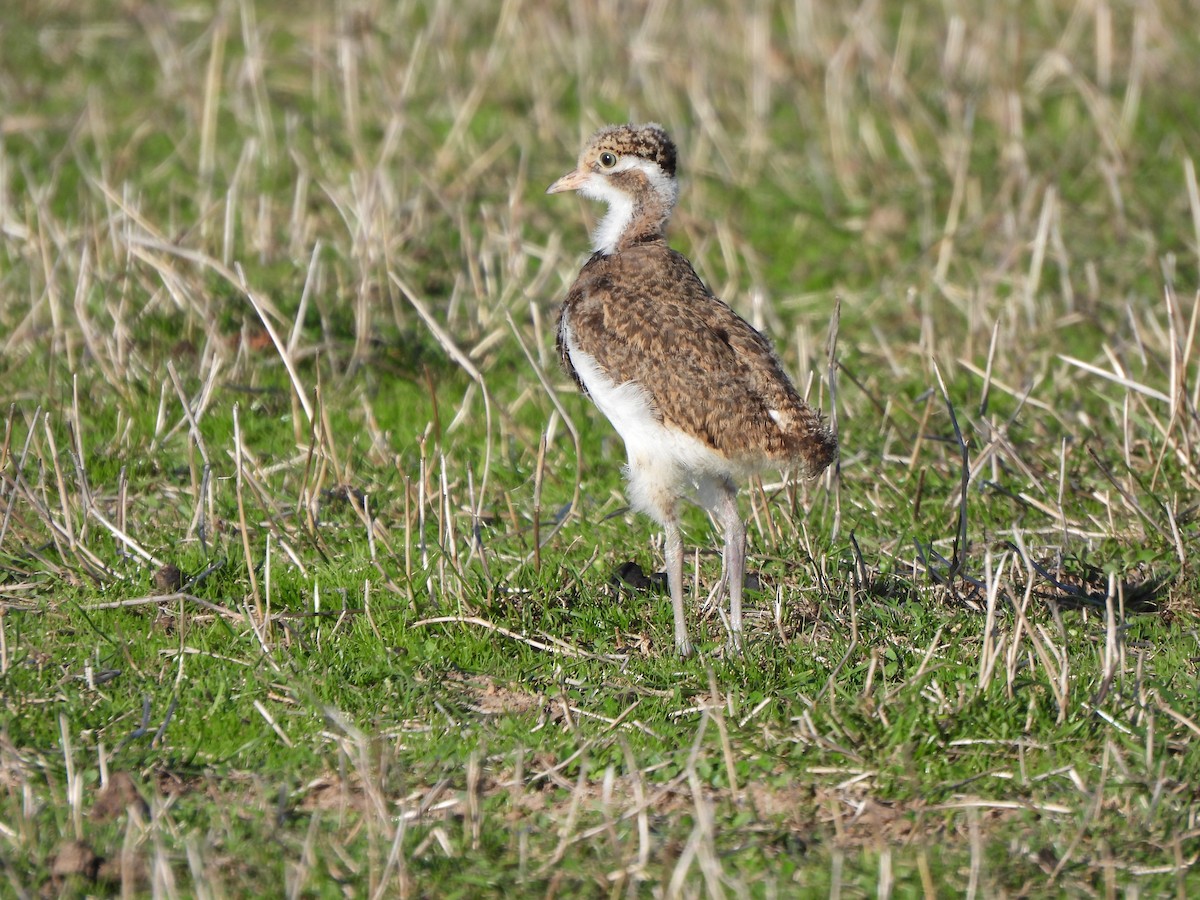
(696, 393)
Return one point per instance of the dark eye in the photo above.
(607, 159)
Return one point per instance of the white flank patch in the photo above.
(664, 463)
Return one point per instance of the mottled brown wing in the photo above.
(645, 316)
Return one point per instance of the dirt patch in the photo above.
(75, 858)
(116, 797)
(174, 784)
(768, 802)
(492, 699)
(330, 792)
(484, 695)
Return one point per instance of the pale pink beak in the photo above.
(572, 181)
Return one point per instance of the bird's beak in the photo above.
(572, 181)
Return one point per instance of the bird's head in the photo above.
(632, 169)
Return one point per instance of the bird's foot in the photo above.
(683, 646)
(734, 645)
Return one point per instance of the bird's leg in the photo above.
(674, 555)
(733, 560)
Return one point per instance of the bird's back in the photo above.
(644, 316)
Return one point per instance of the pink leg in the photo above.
(733, 559)
(674, 555)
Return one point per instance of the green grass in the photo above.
(396, 660)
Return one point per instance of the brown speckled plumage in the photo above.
(649, 142)
(698, 395)
(646, 317)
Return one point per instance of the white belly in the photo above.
(665, 464)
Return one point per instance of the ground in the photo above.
(317, 576)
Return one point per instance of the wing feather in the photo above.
(645, 316)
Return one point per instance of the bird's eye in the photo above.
(607, 159)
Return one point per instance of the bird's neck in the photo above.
(632, 217)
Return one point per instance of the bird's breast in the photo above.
(627, 406)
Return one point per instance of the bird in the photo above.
(697, 394)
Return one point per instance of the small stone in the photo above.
(168, 579)
(630, 574)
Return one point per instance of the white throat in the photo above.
(619, 217)
(621, 206)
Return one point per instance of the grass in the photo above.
(308, 550)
